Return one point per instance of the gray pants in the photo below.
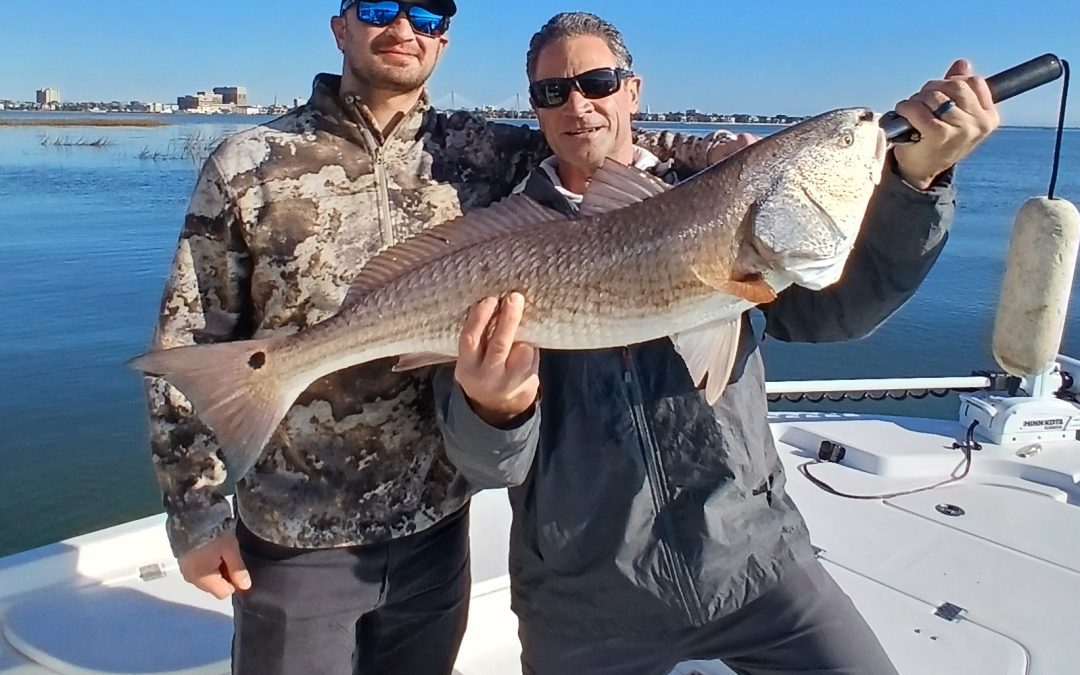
(807, 624)
(396, 608)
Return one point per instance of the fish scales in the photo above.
(643, 262)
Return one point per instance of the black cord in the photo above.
(967, 446)
(1060, 130)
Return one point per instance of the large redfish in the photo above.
(641, 262)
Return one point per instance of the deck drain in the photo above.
(951, 510)
(949, 612)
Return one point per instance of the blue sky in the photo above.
(781, 56)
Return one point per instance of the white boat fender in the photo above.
(1038, 281)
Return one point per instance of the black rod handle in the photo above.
(1024, 77)
(1004, 85)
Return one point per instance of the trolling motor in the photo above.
(1042, 404)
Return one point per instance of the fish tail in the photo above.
(235, 388)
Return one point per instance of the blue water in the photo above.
(87, 235)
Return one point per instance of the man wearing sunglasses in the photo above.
(350, 550)
(650, 527)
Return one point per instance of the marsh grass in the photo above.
(69, 142)
(194, 148)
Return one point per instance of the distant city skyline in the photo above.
(781, 58)
(234, 100)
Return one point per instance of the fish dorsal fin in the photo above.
(709, 352)
(513, 214)
(616, 185)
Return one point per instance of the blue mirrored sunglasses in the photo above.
(386, 12)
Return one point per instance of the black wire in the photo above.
(967, 446)
(1060, 130)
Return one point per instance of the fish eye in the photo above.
(847, 139)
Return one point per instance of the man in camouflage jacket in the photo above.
(350, 545)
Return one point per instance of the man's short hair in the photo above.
(578, 24)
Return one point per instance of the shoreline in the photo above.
(60, 119)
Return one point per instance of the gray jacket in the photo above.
(638, 508)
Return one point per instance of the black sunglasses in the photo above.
(386, 12)
(599, 83)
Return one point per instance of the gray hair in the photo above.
(578, 24)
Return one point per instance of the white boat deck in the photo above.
(113, 601)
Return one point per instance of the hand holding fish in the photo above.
(498, 375)
(216, 567)
(949, 132)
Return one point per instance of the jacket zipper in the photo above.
(651, 454)
(383, 185)
(381, 181)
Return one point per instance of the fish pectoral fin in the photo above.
(616, 185)
(757, 291)
(422, 359)
(752, 288)
(709, 352)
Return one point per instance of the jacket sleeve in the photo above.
(203, 300)
(902, 236)
(487, 456)
(687, 153)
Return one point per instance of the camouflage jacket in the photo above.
(281, 218)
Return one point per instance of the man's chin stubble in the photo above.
(389, 79)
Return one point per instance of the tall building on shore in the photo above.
(222, 99)
(232, 95)
(201, 102)
(48, 96)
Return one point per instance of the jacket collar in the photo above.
(348, 116)
(643, 159)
